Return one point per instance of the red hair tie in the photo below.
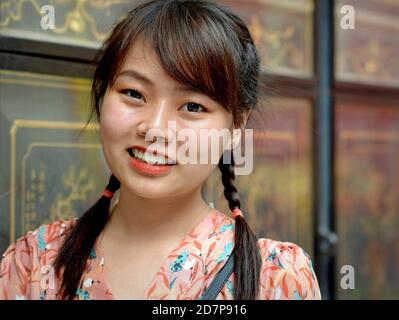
(237, 212)
(107, 193)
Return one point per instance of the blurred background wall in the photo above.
(326, 172)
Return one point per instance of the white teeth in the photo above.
(150, 158)
(161, 161)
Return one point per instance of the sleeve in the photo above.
(286, 273)
(15, 271)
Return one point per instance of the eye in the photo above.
(193, 107)
(133, 94)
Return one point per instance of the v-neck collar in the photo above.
(196, 234)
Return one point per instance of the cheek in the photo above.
(207, 140)
(115, 127)
(213, 142)
(115, 123)
(198, 173)
(110, 128)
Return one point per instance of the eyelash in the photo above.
(125, 91)
(131, 90)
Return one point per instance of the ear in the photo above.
(237, 132)
(236, 138)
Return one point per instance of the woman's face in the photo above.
(144, 97)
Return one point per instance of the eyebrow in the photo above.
(130, 73)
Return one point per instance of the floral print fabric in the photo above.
(26, 266)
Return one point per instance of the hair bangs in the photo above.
(196, 50)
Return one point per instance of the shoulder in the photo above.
(23, 260)
(286, 272)
(44, 238)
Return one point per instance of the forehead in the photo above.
(142, 57)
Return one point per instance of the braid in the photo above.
(248, 260)
(228, 176)
(79, 242)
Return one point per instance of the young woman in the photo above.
(193, 63)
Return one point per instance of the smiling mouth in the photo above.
(155, 160)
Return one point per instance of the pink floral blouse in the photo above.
(26, 270)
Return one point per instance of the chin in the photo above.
(151, 189)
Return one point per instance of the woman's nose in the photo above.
(157, 121)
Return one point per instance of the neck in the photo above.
(138, 220)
